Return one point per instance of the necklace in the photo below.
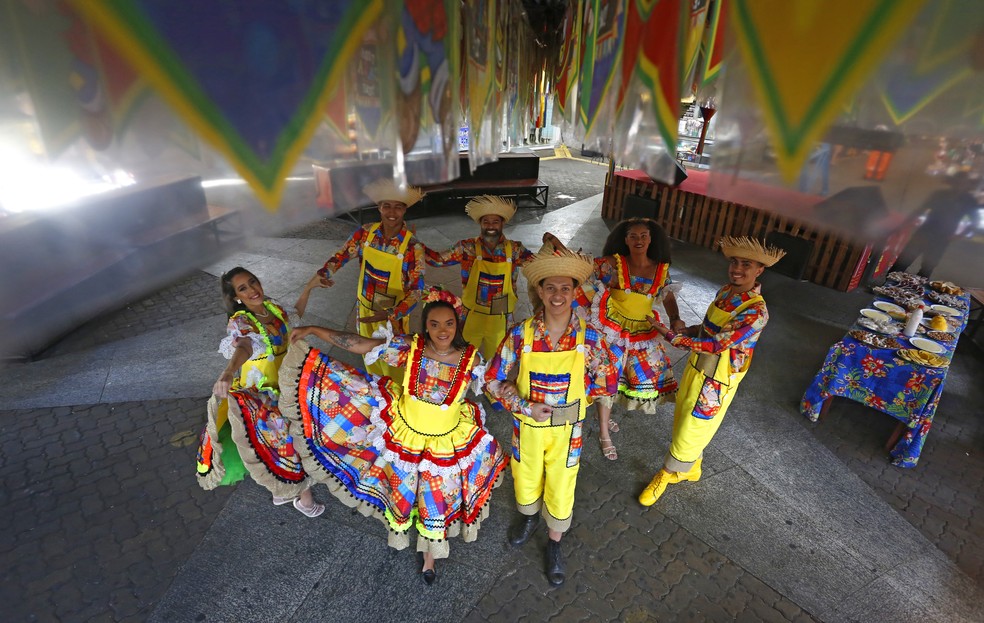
(439, 353)
(265, 314)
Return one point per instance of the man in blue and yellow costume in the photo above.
(721, 351)
(390, 263)
(490, 264)
(563, 364)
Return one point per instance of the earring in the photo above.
(238, 302)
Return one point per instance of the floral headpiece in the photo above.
(437, 293)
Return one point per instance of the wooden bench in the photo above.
(533, 189)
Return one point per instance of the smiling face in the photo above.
(248, 290)
(391, 213)
(491, 225)
(441, 326)
(637, 238)
(743, 273)
(557, 294)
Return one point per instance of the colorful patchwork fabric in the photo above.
(360, 433)
(601, 370)
(269, 434)
(463, 253)
(413, 262)
(646, 372)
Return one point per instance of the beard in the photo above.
(492, 238)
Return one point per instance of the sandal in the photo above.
(278, 501)
(312, 512)
(612, 425)
(608, 449)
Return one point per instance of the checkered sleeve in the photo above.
(448, 257)
(601, 371)
(351, 248)
(502, 364)
(743, 328)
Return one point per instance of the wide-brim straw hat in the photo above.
(750, 249)
(490, 204)
(385, 189)
(556, 263)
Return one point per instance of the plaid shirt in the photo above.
(463, 252)
(600, 369)
(740, 334)
(413, 266)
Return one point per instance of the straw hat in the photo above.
(385, 189)
(558, 264)
(490, 204)
(750, 249)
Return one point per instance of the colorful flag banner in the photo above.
(713, 46)
(601, 46)
(251, 77)
(805, 59)
(480, 45)
(694, 37)
(570, 55)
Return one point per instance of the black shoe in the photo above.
(522, 531)
(430, 576)
(555, 563)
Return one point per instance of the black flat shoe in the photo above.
(523, 530)
(430, 576)
(555, 563)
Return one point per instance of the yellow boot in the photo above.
(655, 488)
(693, 474)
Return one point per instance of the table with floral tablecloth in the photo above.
(883, 380)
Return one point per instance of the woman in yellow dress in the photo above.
(245, 431)
(415, 453)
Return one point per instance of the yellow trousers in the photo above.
(485, 332)
(544, 465)
(691, 433)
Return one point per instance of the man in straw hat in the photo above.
(563, 363)
(721, 349)
(390, 262)
(489, 266)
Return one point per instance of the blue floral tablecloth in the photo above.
(881, 379)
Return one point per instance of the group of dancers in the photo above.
(400, 440)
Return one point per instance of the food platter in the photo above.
(927, 345)
(875, 340)
(949, 300)
(940, 336)
(944, 310)
(946, 287)
(876, 315)
(891, 309)
(923, 358)
(906, 279)
(888, 328)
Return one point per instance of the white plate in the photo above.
(945, 310)
(926, 321)
(885, 306)
(927, 345)
(877, 316)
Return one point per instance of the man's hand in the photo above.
(377, 317)
(319, 282)
(678, 325)
(508, 389)
(540, 412)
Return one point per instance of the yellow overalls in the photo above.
(489, 298)
(546, 455)
(691, 432)
(381, 289)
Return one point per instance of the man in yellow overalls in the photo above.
(563, 363)
(721, 350)
(489, 266)
(391, 266)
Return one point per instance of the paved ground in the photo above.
(791, 522)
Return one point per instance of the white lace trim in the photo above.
(384, 332)
(227, 347)
(477, 384)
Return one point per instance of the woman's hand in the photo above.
(678, 326)
(223, 385)
(298, 333)
(508, 389)
(659, 326)
(319, 282)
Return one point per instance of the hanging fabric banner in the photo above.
(568, 69)
(601, 45)
(480, 45)
(250, 77)
(713, 48)
(428, 64)
(932, 62)
(694, 37)
(847, 39)
(652, 54)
